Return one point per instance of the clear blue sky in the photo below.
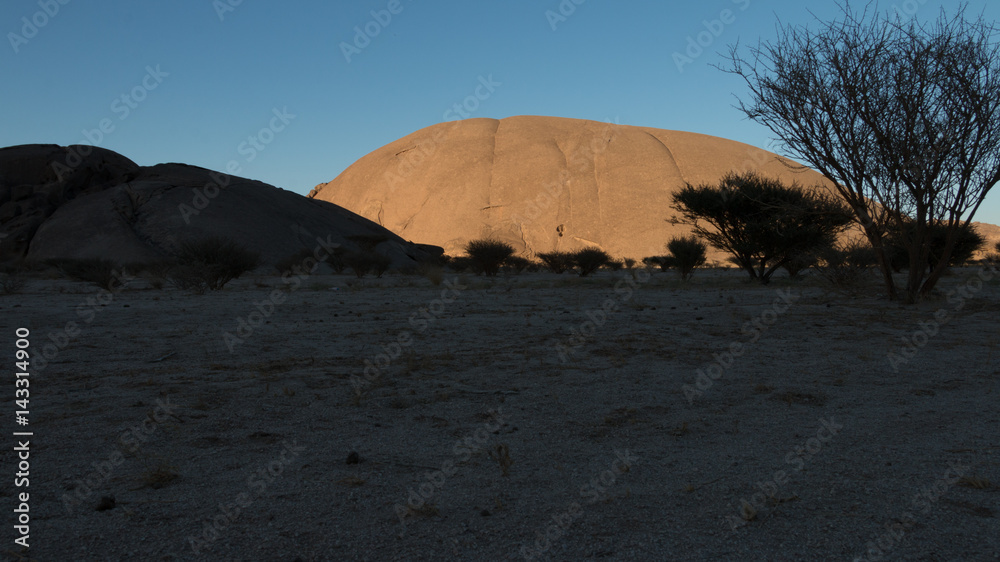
(225, 76)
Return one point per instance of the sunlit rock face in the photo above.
(542, 183)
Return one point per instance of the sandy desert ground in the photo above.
(536, 417)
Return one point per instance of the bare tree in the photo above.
(903, 118)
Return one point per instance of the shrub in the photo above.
(800, 263)
(211, 263)
(847, 264)
(663, 262)
(157, 272)
(296, 262)
(759, 220)
(462, 264)
(336, 260)
(589, 260)
(488, 255)
(363, 263)
(11, 282)
(432, 270)
(629, 263)
(517, 264)
(557, 262)
(687, 253)
(101, 272)
(614, 265)
(968, 241)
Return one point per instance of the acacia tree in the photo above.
(763, 223)
(902, 117)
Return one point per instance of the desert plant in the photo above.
(104, 273)
(363, 263)
(157, 272)
(759, 220)
(461, 264)
(11, 282)
(614, 265)
(589, 260)
(900, 116)
(488, 255)
(557, 262)
(663, 262)
(967, 241)
(800, 263)
(211, 263)
(431, 270)
(846, 264)
(688, 253)
(295, 262)
(517, 264)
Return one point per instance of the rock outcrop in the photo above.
(543, 183)
(55, 203)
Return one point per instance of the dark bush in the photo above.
(462, 264)
(211, 263)
(297, 262)
(517, 264)
(363, 263)
(663, 262)
(688, 253)
(557, 262)
(488, 255)
(800, 263)
(589, 260)
(104, 273)
(846, 264)
(967, 243)
(11, 281)
(759, 220)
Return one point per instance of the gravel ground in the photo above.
(535, 417)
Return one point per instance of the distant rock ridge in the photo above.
(84, 202)
(545, 183)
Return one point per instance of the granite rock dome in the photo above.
(543, 183)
